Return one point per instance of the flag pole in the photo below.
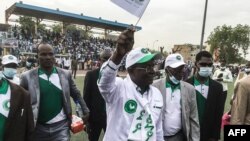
(138, 20)
(203, 25)
(142, 14)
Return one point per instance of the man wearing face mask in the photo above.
(209, 97)
(180, 115)
(243, 74)
(28, 66)
(224, 76)
(16, 117)
(10, 64)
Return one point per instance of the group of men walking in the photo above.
(40, 108)
(136, 108)
(170, 109)
(142, 112)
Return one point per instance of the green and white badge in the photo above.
(130, 106)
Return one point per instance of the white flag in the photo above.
(135, 7)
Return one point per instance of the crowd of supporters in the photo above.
(66, 46)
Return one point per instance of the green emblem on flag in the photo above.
(130, 106)
(6, 105)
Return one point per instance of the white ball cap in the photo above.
(138, 55)
(174, 60)
(7, 59)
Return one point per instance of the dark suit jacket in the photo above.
(30, 82)
(210, 126)
(93, 98)
(19, 124)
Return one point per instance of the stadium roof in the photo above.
(57, 15)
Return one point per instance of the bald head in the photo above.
(44, 46)
(46, 56)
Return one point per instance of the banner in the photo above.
(135, 7)
(9, 43)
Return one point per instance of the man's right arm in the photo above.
(108, 83)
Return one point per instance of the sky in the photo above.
(164, 23)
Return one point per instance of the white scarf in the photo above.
(143, 127)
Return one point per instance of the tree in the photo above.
(57, 28)
(230, 41)
(27, 26)
(71, 28)
(41, 28)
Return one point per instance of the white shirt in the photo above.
(172, 115)
(117, 93)
(227, 77)
(67, 62)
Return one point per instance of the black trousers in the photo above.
(225, 94)
(95, 129)
(74, 72)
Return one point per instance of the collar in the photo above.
(41, 71)
(197, 82)
(138, 89)
(172, 86)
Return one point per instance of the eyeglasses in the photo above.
(147, 69)
(206, 64)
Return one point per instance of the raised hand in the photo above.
(124, 44)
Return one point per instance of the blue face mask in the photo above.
(173, 79)
(205, 71)
(9, 72)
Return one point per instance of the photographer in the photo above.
(224, 76)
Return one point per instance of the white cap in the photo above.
(174, 60)
(7, 59)
(138, 55)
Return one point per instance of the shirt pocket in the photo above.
(157, 108)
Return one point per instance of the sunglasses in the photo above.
(146, 69)
(206, 64)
